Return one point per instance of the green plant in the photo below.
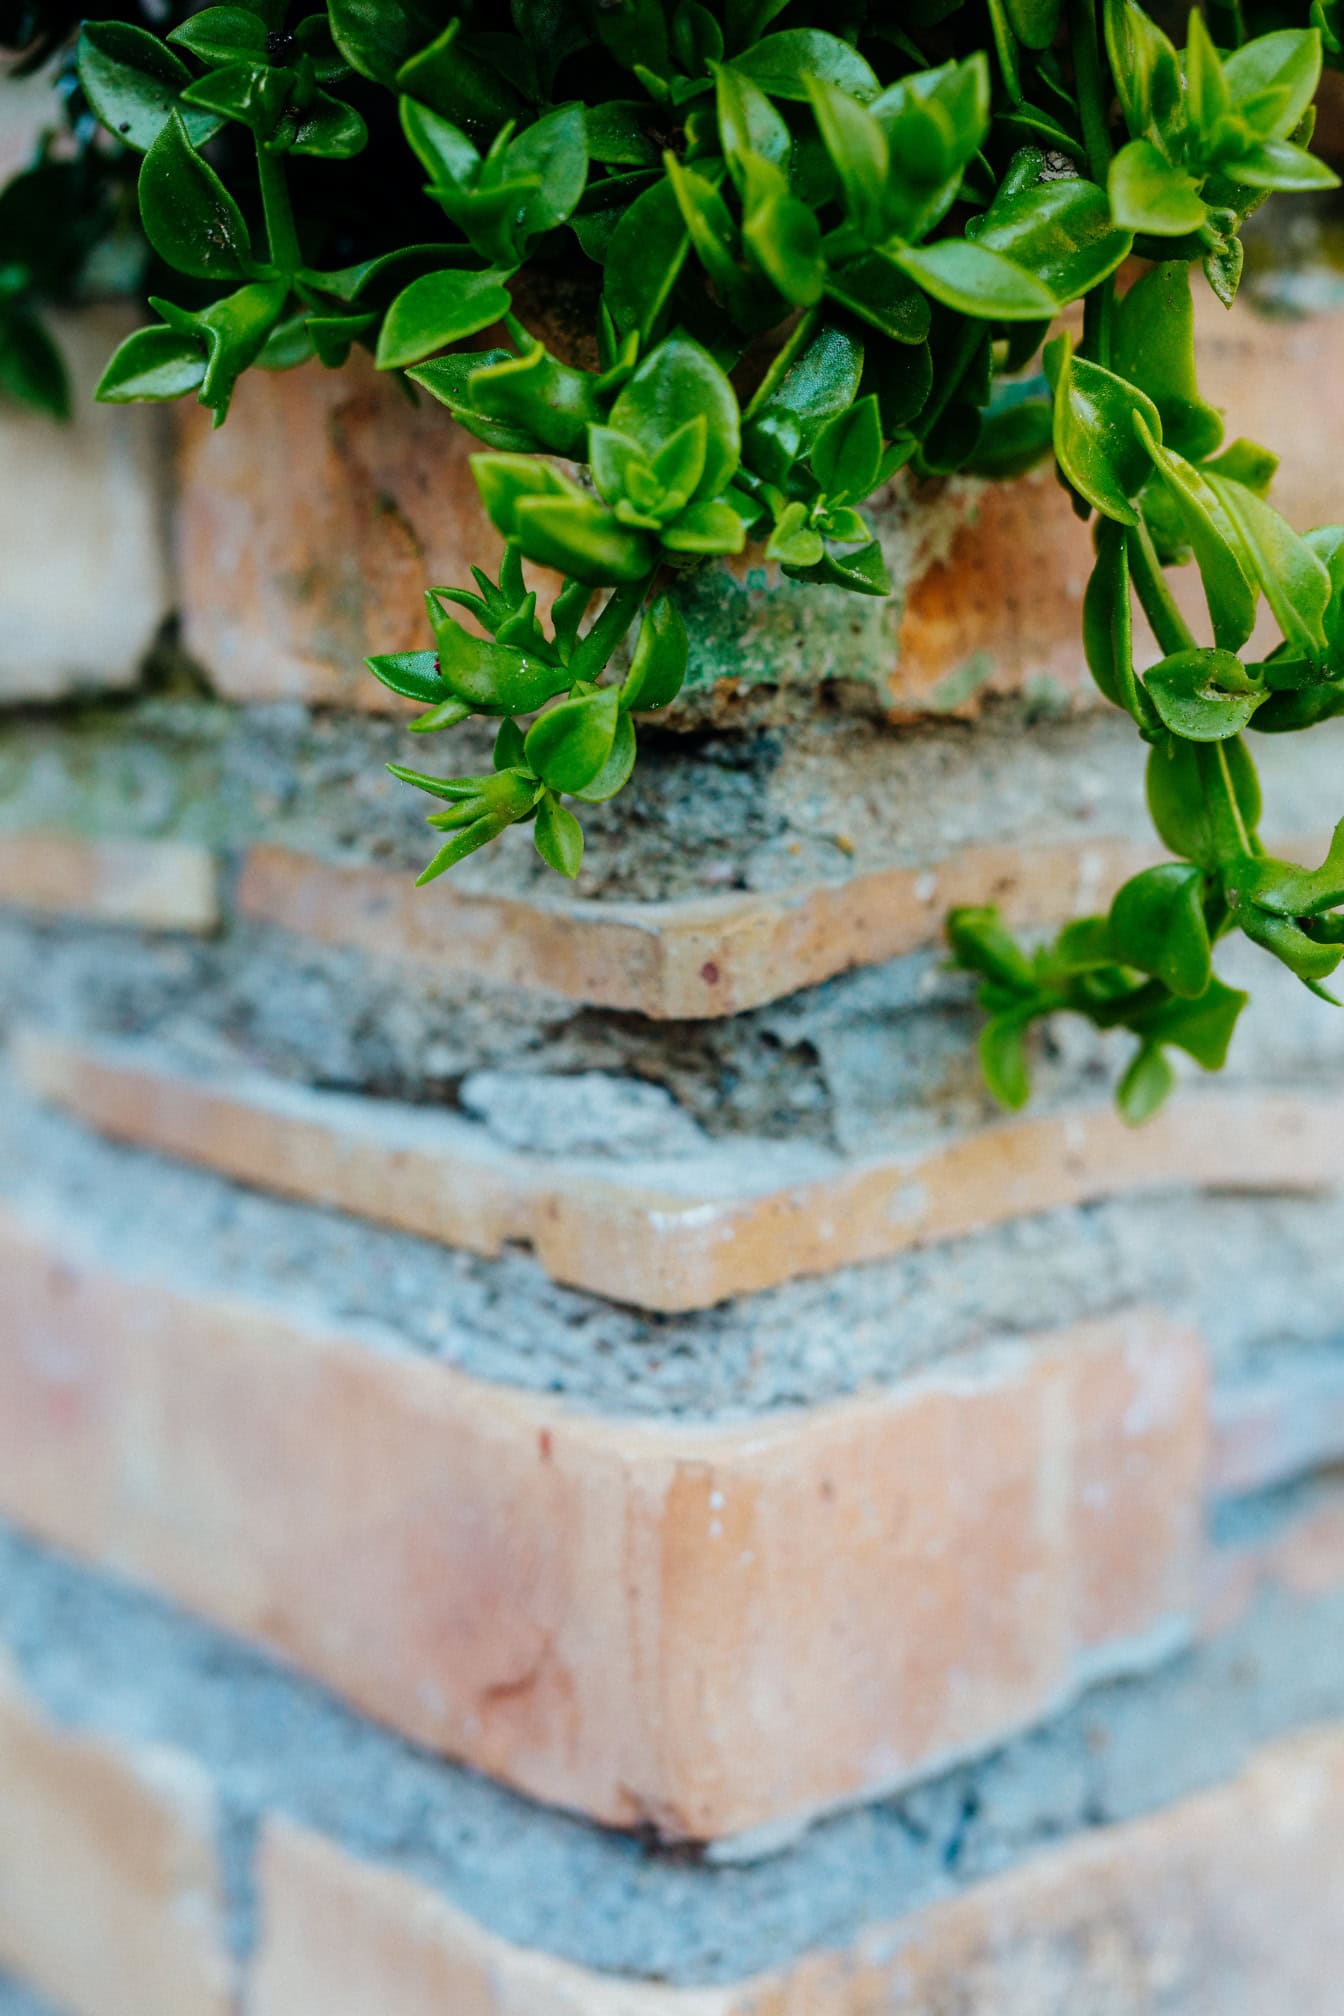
(819, 244)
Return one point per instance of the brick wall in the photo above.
(557, 1458)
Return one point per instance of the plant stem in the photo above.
(1093, 84)
(1170, 628)
(1093, 87)
(1225, 775)
(281, 235)
(618, 613)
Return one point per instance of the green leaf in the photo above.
(376, 36)
(749, 126)
(1203, 1028)
(221, 34)
(615, 772)
(1224, 562)
(1108, 623)
(1157, 924)
(783, 65)
(711, 526)
(447, 76)
(1295, 581)
(328, 129)
(1310, 958)
(1145, 64)
(558, 836)
(1096, 440)
(569, 744)
(967, 276)
(848, 452)
(862, 572)
(1060, 232)
(980, 944)
(644, 260)
(535, 394)
(1290, 891)
(152, 363)
(413, 674)
(438, 309)
(875, 289)
(1187, 791)
(1150, 193)
(1147, 1084)
(1202, 695)
(1003, 1057)
(495, 678)
(134, 83)
(677, 383)
(658, 666)
(189, 216)
(249, 92)
(1034, 22)
(858, 149)
(1278, 164)
(1154, 348)
(1287, 62)
(232, 331)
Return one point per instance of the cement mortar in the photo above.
(823, 800)
(1263, 1278)
(99, 1655)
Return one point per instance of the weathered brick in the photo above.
(81, 529)
(109, 1887)
(1230, 1903)
(707, 1627)
(155, 885)
(672, 1236)
(700, 958)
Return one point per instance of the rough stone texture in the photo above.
(705, 1630)
(682, 1232)
(103, 1660)
(1273, 1427)
(154, 885)
(81, 529)
(109, 1889)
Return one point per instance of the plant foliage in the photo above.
(817, 245)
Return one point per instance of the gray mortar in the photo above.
(882, 1059)
(99, 1655)
(825, 800)
(1263, 1277)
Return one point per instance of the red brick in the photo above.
(154, 885)
(708, 1627)
(109, 1890)
(643, 1235)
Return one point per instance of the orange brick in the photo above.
(653, 1235)
(709, 1627)
(1230, 1903)
(155, 885)
(702, 958)
(109, 1889)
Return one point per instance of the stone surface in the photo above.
(81, 529)
(700, 1629)
(154, 885)
(109, 1887)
